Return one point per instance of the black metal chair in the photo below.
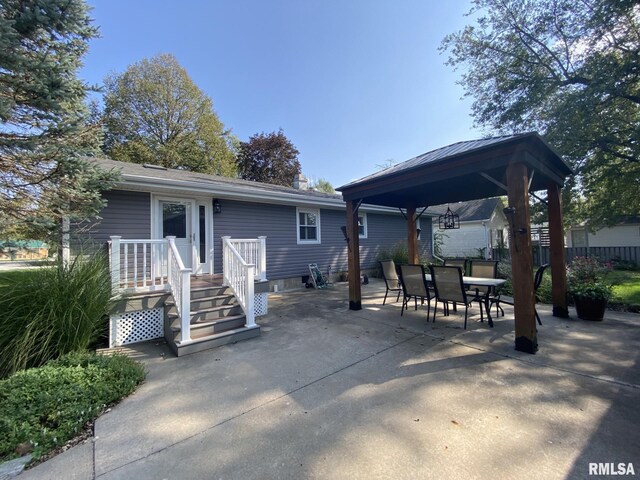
(391, 280)
(537, 281)
(449, 287)
(414, 284)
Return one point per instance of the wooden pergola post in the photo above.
(353, 253)
(522, 258)
(557, 251)
(412, 236)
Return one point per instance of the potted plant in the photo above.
(588, 288)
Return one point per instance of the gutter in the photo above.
(242, 193)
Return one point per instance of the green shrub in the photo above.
(52, 311)
(399, 253)
(46, 407)
(544, 291)
(586, 278)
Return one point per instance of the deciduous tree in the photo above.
(154, 113)
(268, 158)
(569, 69)
(323, 185)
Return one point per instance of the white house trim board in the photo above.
(365, 231)
(311, 211)
(243, 194)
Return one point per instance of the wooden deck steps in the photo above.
(216, 318)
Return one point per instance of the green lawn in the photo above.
(7, 277)
(626, 286)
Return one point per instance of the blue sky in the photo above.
(352, 83)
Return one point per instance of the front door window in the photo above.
(175, 220)
(202, 241)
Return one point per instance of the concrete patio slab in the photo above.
(330, 393)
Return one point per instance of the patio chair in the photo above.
(537, 281)
(391, 280)
(484, 269)
(414, 284)
(449, 287)
(457, 262)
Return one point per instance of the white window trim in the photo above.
(364, 224)
(314, 211)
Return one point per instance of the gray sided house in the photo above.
(169, 229)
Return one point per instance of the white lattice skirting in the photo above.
(260, 304)
(138, 326)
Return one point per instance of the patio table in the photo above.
(480, 282)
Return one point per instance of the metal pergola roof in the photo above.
(459, 172)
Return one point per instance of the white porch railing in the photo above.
(150, 265)
(239, 275)
(138, 265)
(180, 282)
(252, 251)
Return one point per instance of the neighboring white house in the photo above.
(483, 226)
(625, 234)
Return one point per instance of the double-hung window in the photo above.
(308, 224)
(362, 225)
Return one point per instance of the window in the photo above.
(579, 238)
(362, 225)
(308, 223)
(174, 219)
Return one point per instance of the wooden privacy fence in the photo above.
(629, 255)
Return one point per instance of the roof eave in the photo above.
(242, 193)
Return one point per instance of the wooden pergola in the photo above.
(517, 165)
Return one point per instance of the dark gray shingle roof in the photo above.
(138, 170)
(472, 210)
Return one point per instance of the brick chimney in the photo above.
(300, 182)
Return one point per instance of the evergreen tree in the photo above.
(45, 135)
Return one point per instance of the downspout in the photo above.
(487, 253)
(433, 244)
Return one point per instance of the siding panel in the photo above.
(287, 259)
(127, 214)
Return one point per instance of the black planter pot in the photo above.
(590, 308)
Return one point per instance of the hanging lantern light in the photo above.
(449, 220)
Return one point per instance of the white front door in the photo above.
(177, 220)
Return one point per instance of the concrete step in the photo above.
(210, 327)
(206, 292)
(215, 340)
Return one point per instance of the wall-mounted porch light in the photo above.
(216, 206)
